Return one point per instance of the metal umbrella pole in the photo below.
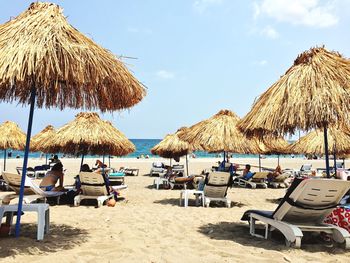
(187, 165)
(82, 161)
(259, 162)
(326, 151)
(5, 160)
(25, 162)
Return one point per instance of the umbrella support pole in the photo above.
(326, 151)
(109, 161)
(344, 163)
(25, 161)
(82, 162)
(46, 159)
(259, 163)
(335, 163)
(103, 164)
(187, 165)
(4, 160)
(278, 159)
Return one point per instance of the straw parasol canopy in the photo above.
(219, 134)
(312, 143)
(313, 93)
(88, 134)
(172, 146)
(40, 49)
(11, 136)
(273, 145)
(39, 139)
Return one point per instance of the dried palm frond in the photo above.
(39, 139)
(88, 134)
(11, 136)
(219, 133)
(40, 49)
(172, 146)
(313, 93)
(313, 142)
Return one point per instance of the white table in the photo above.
(186, 193)
(160, 180)
(43, 216)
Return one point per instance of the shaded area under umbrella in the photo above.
(44, 61)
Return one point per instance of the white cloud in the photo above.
(260, 63)
(298, 12)
(164, 74)
(269, 32)
(201, 5)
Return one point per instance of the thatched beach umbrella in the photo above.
(44, 61)
(312, 143)
(272, 145)
(173, 147)
(39, 139)
(11, 137)
(88, 134)
(313, 93)
(219, 134)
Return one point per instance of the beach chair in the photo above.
(178, 168)
(32, 192)
(216, 188)
(305, 169)
(257, 181)
(93, 186)
(157, 169)
(280, 181)
(303, 208)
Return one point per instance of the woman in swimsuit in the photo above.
(49, 181)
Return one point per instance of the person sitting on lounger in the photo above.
(48, 183)
(278, 176)
(247, 174)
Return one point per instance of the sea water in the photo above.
(143, 147)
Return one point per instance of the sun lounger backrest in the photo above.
(312, 200)
(92, 184)
(260, 175)
(217, 185)
(306, 167)
(14, 181)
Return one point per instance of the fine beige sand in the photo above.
(148, 225)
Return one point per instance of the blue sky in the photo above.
(195, 56)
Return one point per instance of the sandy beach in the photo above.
(148, 225)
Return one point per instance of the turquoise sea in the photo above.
(143, 146)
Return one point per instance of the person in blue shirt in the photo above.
(247, 174)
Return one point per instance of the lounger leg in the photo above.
(47, 221)
(41, 223)
(181, 194)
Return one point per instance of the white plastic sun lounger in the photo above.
(32, 192)
(253, 181)
(304, 207)
(216, 188)
(93, 186)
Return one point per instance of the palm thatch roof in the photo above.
(37, 140)
(313, 93)
(40, 49)
(219, 133)
(11, 136)
(313, 142)
(273, 145)
(88, 134)
(172, 146)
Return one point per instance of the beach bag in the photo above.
(340, 216)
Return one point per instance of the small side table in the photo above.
(158, 181)
(43, 216)
(186, 193)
